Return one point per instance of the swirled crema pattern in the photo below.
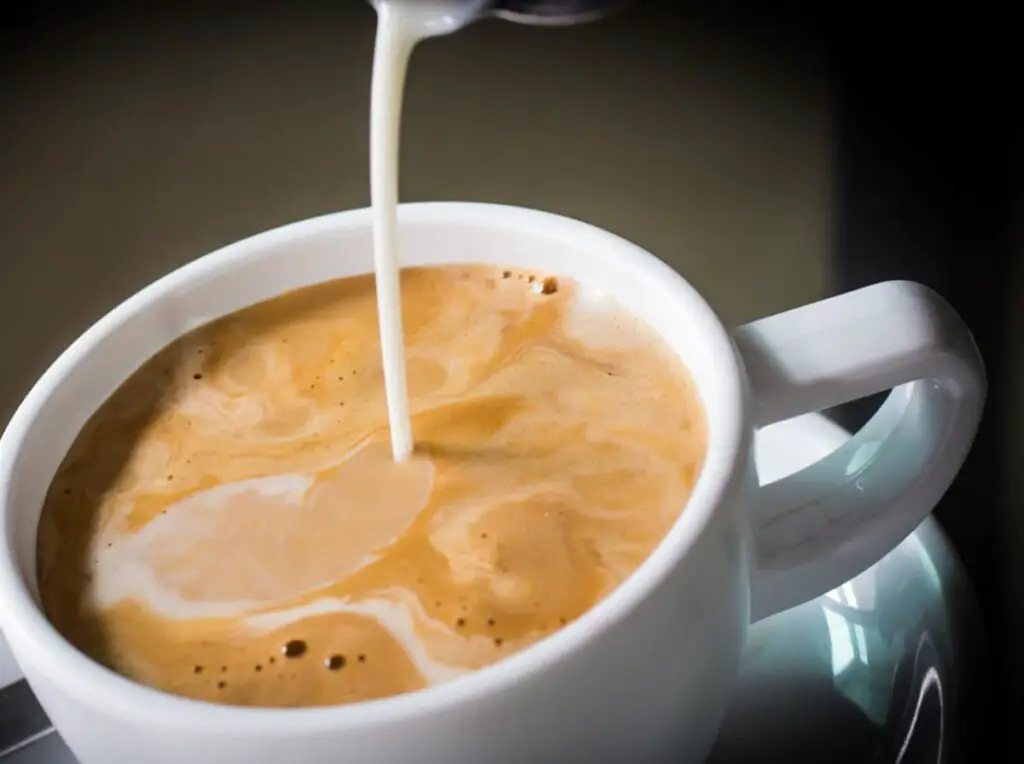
(229, 526)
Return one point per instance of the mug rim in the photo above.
(720, 477)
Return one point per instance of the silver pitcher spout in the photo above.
(554, 12)
(458, 13)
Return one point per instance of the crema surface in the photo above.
(230, 525)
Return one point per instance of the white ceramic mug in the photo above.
(645, 674)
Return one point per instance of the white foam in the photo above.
(597, 319)
(187, 562)
(121, 570)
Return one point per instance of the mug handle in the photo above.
(820, 527)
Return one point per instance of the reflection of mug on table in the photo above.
(646, 672)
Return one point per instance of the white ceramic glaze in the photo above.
(646, 674)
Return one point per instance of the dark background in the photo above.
(930, 188)
(925, 180)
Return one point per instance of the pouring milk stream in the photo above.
(401, 24)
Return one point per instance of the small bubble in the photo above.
(361, 658)
(506, 274)
(273, 659)
(258, 667)
(223, 669)
(549, 285)
(221, 685)
(437, 604)
(197, 375)
(498, 641)
(294, 648)
(483, 535)
(461, 622)
(490, 621)
(170, 477)
(563, 620)
(67, 491)
(335, 662)
(531, 278)
(197, 669)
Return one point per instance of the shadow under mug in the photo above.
(645, 675)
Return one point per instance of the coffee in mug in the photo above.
(231, 526)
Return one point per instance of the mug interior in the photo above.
(336, 246)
